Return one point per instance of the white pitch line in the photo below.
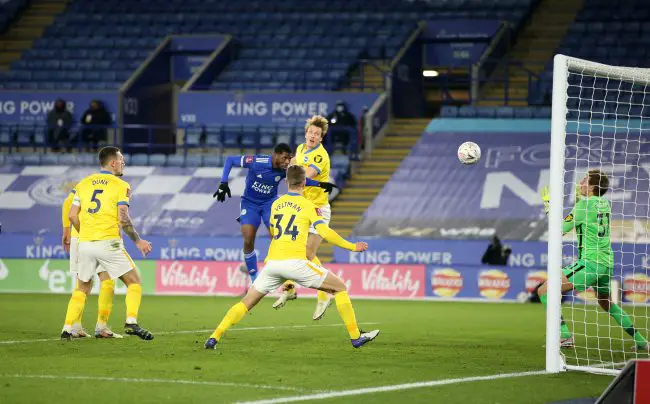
(279, 327)
(395, 387)
(161, 381)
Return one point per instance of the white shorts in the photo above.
(303, 272)
(326, 214)
(74, 255)
(103, 255)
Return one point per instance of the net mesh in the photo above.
(608, 128)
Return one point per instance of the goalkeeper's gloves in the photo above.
(546, 199)
(327, 186)
(221, 192)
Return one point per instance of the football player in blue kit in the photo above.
(265, 172)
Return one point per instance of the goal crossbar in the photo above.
(635, 74)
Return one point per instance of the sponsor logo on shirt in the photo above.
(262, 188)
(318, 159)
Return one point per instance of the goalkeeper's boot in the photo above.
(134, 329)
(211, 343)
(567, 342)
(642, 349)
(321, 308)
(66, 336)
(364, 338)
(105, 332)
(78, 331)
(289, 293)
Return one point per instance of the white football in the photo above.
(469, 153)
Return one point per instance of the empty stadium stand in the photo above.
(289, 45)
(610, 32)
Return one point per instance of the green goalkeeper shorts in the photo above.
(584, 274)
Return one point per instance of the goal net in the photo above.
(600, 120)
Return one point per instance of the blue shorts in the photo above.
(254, 213)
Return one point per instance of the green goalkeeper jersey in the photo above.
(591, 218)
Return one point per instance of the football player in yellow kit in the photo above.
(292, 215)
(313, 157)
(100, 208)
(107, 286)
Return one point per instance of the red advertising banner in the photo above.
(225, 278)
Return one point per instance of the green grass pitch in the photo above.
(283, 353)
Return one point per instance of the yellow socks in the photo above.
(234, 315)
(75, 308)
(81, 313)
(133, 299)
(105, 301)
(322, 296)
(344, 307)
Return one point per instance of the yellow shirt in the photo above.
(65, 210)
(318, 159)
(291, 216)
(99, 195)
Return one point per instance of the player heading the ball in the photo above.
(262, 181)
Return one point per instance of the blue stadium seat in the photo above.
(486, 112)
(16, 158)
(193, 160)
(49, 159)
(526, 112)
(212, 160)
(139, 160)
(67, 159)
(467, 111)
(175, 160)
(505, 112)
(88, 159)
(340, 162)
(32, 159)
(449, 111)
(157, 159)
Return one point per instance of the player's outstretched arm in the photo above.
(129, 229)
(546, 199)
(327, 186)
(576, 216)
(333, 237)
(224, 189)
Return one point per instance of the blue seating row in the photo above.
(62, 85)
(338, 162)
(467, 111)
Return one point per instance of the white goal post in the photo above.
(597, 107)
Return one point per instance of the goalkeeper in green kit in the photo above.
(595, 265)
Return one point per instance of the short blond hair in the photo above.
(319, 122)
(296, 176)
